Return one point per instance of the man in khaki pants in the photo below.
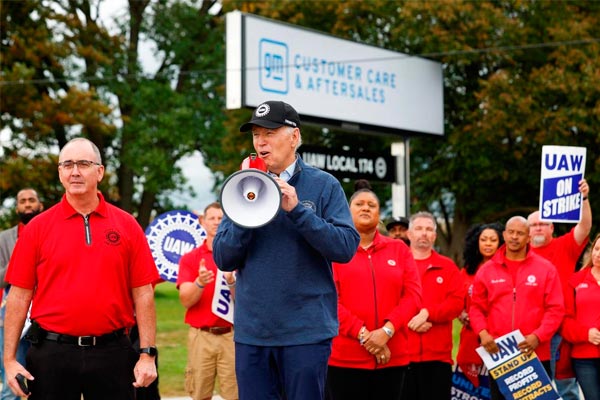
(211, 351)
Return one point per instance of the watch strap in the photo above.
(151, 351)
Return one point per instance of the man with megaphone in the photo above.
(286, 300)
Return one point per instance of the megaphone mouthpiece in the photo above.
(251, 188)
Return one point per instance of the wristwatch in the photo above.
(388, 331)
(151, 351)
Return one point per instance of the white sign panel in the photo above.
(562, 169)
(519, 376)
(331, 79)
(222, 303)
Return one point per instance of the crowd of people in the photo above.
(328, 305)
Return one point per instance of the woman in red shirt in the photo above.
(378, 292)
(481, 243)
(581, 325)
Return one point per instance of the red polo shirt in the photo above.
(200, 315)
(82, 272)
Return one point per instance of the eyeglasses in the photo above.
(81, 164)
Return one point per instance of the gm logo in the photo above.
(273, 66)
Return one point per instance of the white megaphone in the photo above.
(250, 197)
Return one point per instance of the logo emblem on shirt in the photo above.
(309, 204)
(531, 281)
(392, 263)
(439, 280)
(112, 237)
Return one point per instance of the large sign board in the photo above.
(331, 80)
(562, 169)
(351, 164)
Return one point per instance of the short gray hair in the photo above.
(423, 214)
(290, 130)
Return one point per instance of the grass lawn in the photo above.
(171, 340)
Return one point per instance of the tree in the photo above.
(39, 112)
(517, 75)
(65, 74)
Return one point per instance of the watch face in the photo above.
(149, 350)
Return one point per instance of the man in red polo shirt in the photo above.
(211, 351)
(86, 268)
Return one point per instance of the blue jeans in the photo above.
(566, 388)
(587, 371)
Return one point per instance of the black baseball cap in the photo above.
(273, 114)
(397, 221)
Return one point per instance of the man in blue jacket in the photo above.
(286, 301)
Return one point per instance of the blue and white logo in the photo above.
(273, 66)
(171, 235)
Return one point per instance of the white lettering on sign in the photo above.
(314, 159)
(562, 204)
(376, 166)
(341, 163)
(177, 246)
(564, 187)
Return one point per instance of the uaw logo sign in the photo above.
(170, 236)
(273, 66)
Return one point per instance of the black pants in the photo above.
(428, 380)
(66, 371)
(145, 393)
(361, 384)
(495, 393)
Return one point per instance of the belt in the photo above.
(85, 341)
(216, 330)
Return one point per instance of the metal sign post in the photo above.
(401, 188)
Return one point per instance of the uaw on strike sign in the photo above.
(519, 376)
(562, 169)
(170, 236)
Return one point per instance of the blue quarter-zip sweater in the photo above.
(285, 293)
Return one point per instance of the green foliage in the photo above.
(65, 75)
(517, 75)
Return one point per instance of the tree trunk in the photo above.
(146, 206)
